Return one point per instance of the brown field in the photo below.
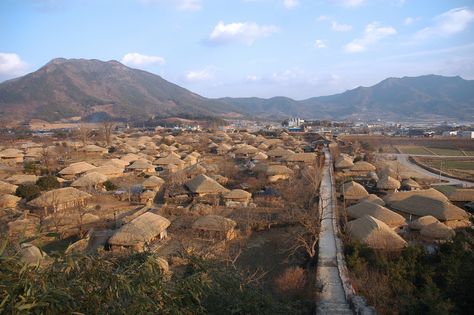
(458, 167)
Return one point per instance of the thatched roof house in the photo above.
(90, 180)
(222, 148)
(410, 184)
(153, 183)
(354, 191)
(277, 172)
(141, 166)
(8, 201)
(388, 183)
(214, 227)
(108, 170)
(116, 163)
(362, 167)
(260, 156)
(343, 162)
(94, 149)
(381, 213)
(462, 195)
(194, 170)
(60, 199)
(307, 158)
(419, 206)
(204, 185)
(76, 169)
(374, 199)
(437, 230)
(19, 179)
(237, 197)
(7, 188)
(279, 152)
(375, 233)
(401, 195)
(11, 156)
(245, 151)
(140, 231)
(129, 158)
(421, 222)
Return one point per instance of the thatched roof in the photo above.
(301, 157)
(437, 230)
(77, 168)
(107, 170)
(203, 184)
(223, 147)
(140, 165)
(353, 190)
(246, 149)
(273, 170)
(116, 163)
(411, 183)
(214, 223)
(277, 152)
(58, 196)
(421, 222)
(363, 166)
(238, 194)
(11, 153)
(374, 199)
(379, 212)
(169, 159)
(7, 188)
(343, 161)
(375, 233)
(92, 148)
(388, 183)
(130, 157)
(89, 180)
(19, 179)
(260, 156)
(401, 195)
(387, 171)
(462, 194)
(152, 182)
(142, 229)
(8, 201)
(421, 206)
(194, 170)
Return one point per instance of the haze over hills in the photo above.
(78, 87)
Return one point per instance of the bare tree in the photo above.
(84, 132)
(306, 233)
(107, 128)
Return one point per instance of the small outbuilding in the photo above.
(214, 227)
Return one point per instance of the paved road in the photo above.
(403, 159)
(332, 299)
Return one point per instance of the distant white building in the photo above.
(295, 122)
(452, 133)
(467, 134)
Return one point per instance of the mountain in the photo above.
(428, 96)
(78, 87)
(93, 88)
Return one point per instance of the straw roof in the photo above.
(362, 166)
(92, 148)
(58, 196)
(203, 184)
(140, 165)
(375, 233)
(374, 199)
(140, 230)
(388, 183)
(8, 201)
(260, 156)
(343, 161)
(273, 170)
(152, 182)
(7, 188)
(89, 180)
(462, 194)
(387, 171)
(116, 163)
(77, 168)
(354, 190)
(246, 149)
(11, 153)
(194, 170)
(238, 194)
(421, 206)
(421, 222)
(411, 183)
(279, 151)
(170, 159)
(379, 212)
(214, 223)
(130, 157)
(19, 179)
(223, 147)
(301, 157)
(437, 230)
(401, 195)
(107, 170)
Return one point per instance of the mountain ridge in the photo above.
(81, 87)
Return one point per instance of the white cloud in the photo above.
(340, 27)
(182, 5)
(251, 78)
(319, 43)
(200, 75)
(138, 60)
(289, 4)
(410, 20)
(11, 66)
(324, 18)
(449, 23)
(372, 34)
(244, 32)
(351, 3)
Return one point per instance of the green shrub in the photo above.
(110, 186)
(47, 183)
(28, 191)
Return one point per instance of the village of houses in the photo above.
(165, 192)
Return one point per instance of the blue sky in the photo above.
(265, 48)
